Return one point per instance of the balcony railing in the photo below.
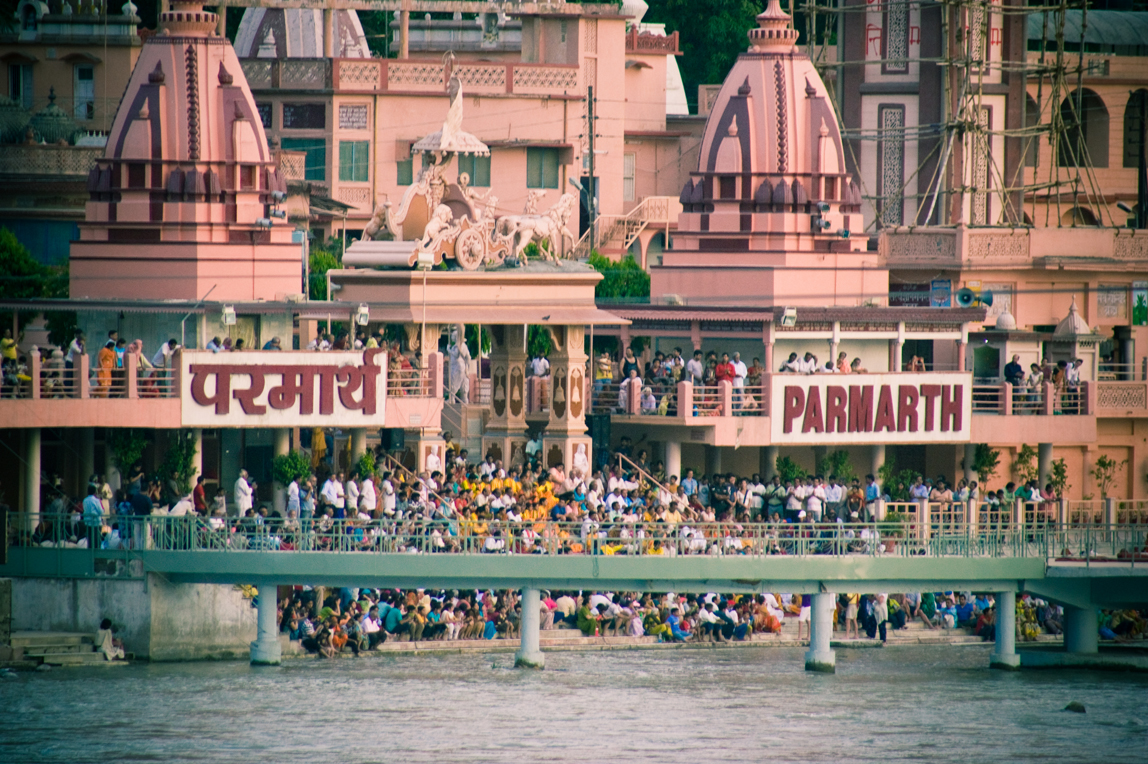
(53, 381)
(1046, 400)
(433, 76)
(645, 42)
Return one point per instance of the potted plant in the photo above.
(893, 528)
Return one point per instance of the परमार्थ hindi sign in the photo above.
(283, 389)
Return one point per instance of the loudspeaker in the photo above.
(599, 427)
(394, 438)
(966, 298)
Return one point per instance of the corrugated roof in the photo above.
(1104, 27)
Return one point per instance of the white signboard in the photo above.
(283, 389)
(871, 408)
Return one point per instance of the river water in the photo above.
(927, 703)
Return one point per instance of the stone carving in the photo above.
(1130, 247)
(1121, 395)
(520, 230)
(459, 355)
(996, 246)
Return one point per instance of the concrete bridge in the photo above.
(1082, 568)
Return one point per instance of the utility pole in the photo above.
(591, 194)
(1141, 166)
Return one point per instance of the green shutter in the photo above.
(406, 172)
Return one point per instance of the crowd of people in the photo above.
(329, 621)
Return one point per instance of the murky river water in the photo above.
(745, 705)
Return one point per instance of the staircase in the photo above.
(60, 648)
(617, 232)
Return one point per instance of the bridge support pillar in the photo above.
(265, 650)
(529, 655)
(673, 459)
(32, 478)
(820, 657)
(1004, 655)
(1081, 630)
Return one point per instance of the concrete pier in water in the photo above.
(529, 655)
(820, 657)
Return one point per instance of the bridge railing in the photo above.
(129, 536)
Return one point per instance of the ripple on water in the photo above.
(924, 703)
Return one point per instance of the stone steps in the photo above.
(58, 648)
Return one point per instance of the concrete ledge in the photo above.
(1110, 658)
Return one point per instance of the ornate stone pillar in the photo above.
(505, 435)
(565, 440)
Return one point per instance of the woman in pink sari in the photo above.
(144, 368)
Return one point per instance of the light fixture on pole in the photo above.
(363, 315)
(789, 317)
(228, 318)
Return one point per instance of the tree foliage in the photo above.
(1058, 478)
(620, 280)
(1104, 471)
(22, 277)
(127, 447)
(985, 461)
(180, 459)
(323, 257)
(1025, 466)
(294, 465)
(789, 470)
(710, 34)
(837, 464)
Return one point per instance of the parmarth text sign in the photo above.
(871, 408)
(283, 389)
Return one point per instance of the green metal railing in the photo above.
(120, 541)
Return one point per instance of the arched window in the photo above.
(1086, 133)
(1135, 119)
(1078, 216)
(1031, 139)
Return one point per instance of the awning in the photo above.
(329, 205)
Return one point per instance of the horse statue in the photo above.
(550, 226)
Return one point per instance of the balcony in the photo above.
(432, 77)
(54, 396)
(657, 44)
(1006, 414)
(49, 161)
(963, 247)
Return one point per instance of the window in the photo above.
(478, 168)
(1085, 141)
(406, 171)
(542, 168)
(264, 110)
(628, 171)
(354, 160)
(1135, 122)
(20, 84)
(315, 165)
(304, 116)
(84, 90)
(1032, 137)
(891, 164)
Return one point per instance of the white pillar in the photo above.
(266, 650)
(1044, 462)
(970, 457)
(197, 460)
(529, 655)
(358, 444)
(673, 459)
(820, 657)
(1109, 511)
(282, 446)
(1004, 655)
(769, 462)
(87, 457)
(876, 459)
(1081, 630)
(32, 478)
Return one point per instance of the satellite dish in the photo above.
(986, 299)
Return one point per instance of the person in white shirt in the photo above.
(243, 494)
(214, 345)
(695, 370)
(293, 496)
(808, 364)
(332, 491)
(368, 500)
(540, 367)
(740, 370)
(815, 500)
(835, 497)
(389, 498)
(162, 357)
(351, 497)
